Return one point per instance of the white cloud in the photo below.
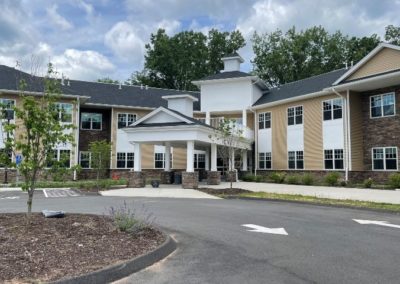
(57, 19)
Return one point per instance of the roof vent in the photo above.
(141, 86)
(147, 87)
(120, 86)
(68, 84)
(62, 79)
(232, 62)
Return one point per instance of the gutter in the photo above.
(15, 92)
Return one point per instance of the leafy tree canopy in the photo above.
(107, 80)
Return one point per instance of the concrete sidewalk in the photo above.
(165, 190)
(373, 195)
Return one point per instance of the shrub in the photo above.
(277, 177)
(259, 179)
(332, 178)
(249, 177)
(293, 179)
(125, 219)
(394, 180)
(368, 183)
(307, 179)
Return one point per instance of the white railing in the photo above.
(245, 131)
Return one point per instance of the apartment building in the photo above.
(345, 120)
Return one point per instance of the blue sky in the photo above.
(87, 39)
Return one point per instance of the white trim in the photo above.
(270, 120)
(90, 159)
(384, 159)
(211, 81)
(159, 109)
(233, 57)
(120, 106)
(331, 100)
(333, 159)
(91, 124)
(126, 115)
(295, 161)
(15, 92)
(302, 115)
(258, 164)
(381, 95)
(365, 59)
(180, 97)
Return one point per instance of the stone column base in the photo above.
(136, 179)
(166, 177)
(231, 176)
(190, 179)
(213, 178)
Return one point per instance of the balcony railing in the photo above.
(244, 130)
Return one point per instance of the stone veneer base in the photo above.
(166, 177)
(231, 176)
(136, 179)
(190, 179)
(213, 177)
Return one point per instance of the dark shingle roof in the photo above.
(301, 87)
(99, 93)
(226, 75)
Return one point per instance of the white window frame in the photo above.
(60, 113)
(333, 159)
(90, 159)
(384, 159)
(14, 103)
(295, 160)
(125, 160)
(263, 115)
(196, 160)
(332, 109)
(267, 157)
(91, 122)
(381, 96)
(126, 114)
(295, 109)
(58, 154)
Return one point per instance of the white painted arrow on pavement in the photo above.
(265, 230)
(379, 223)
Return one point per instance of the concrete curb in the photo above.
(119, 271)
(312, 203)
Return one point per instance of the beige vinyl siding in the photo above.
(385, 60)
(147, 156)
(179, 158)
(356, 123)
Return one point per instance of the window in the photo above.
(295, 160)
(264, 120)
(383, 105)
(64, 112)
(333, 109)
(126, 119)
(159, 160)
(62, 156)
(295, 115)
(8, 105)
(125, 160)
(384, 158)
(91, 121)
(7, 156)
(264, 161)
(199, 161)
(85, 159)
(333, 159)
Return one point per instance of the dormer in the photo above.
(232, 62)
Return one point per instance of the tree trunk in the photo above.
(29, 203)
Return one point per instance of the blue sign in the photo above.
(18, 159)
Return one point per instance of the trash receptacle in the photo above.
(178, 178)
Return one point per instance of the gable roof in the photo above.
(99, 93)
(363, 61)
(301, 87)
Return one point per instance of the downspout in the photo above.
(349, 129)
(345, 132)
(255, 141)
(78, 107)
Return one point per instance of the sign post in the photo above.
(18, 160)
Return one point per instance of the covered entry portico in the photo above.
(170, 128)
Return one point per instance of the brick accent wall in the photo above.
(379, 132)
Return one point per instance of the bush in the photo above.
(307, 179)
(249, 177)
(82, 184)
(332, 178)
(294, 179)
(394, 180)
(368, 183)
(277, 177)
(259, 179)
(125, 219)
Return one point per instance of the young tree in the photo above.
(37, 130)
(100, 157)
(229, 135)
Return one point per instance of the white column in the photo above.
(244, 117)
(213, 157)
(137, 167)
(207, 168)
(167, 156)
(208, 117)
(244, 163)
(190, 156)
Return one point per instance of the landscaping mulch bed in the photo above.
(224, 191)
(52, 249)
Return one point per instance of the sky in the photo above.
(87, 40)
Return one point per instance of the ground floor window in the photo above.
(199, 161)
(159, 160)
(85, 159)
(264, 160)
(296, 160)
(333, 159)
(384, 158)
(125, 160)
(61, 156)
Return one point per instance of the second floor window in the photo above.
(382, 105)
(264, 120)
(8, 105)
(64, 111)
(332, 109)
(295, 115)
(126, 119)
(91, 121)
